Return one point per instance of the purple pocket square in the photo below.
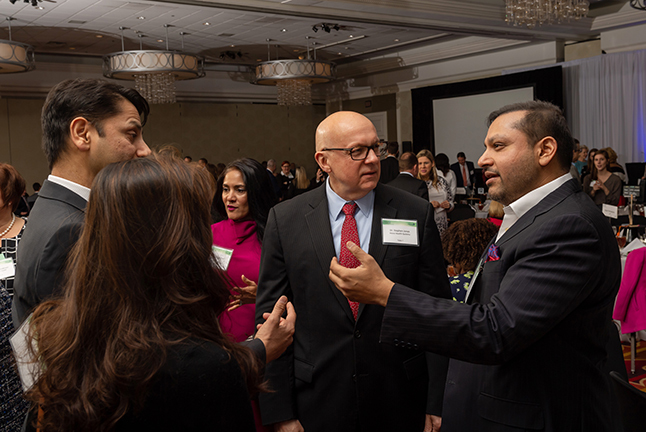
(492, 253)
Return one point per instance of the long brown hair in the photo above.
(139, 280)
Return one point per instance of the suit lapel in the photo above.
(545, 205)
(318, 224)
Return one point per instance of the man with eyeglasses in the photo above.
(337, 376)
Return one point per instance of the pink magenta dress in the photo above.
(241, 237)
(240, 323)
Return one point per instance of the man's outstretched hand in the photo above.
(277, 332)
(365, 284)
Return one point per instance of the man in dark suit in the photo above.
(389, 165)
(407, 179)
(87, 124)
(464, 171)
(528, 348)
(337, 376)
(32, 198)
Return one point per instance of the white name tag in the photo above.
(399, 232)
(222, 256)
(28, 370)
(7, 269)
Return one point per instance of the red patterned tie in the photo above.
(349, 233)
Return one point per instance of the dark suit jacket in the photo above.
(457, 169)
(54, 227)
(389, 169)
(528, 350)
(337, 376)
(410, 184)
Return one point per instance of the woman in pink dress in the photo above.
(245, 196)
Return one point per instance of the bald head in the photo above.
(337, 126)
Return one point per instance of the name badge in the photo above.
(222, 256)
(399, 232)
(7, 269)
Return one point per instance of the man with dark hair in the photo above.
(464, 171)
(188, 159)
(528, 347)
(87, 124)
(203, 162)
(32, 198)
(389, 165)
(407, 179)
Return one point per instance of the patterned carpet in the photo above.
(638, 379)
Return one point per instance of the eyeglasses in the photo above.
(358, 153)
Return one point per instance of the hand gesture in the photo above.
(246, 295)
(445, 204)
(435, 204)
(276, 333)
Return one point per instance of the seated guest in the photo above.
(614, 167)
(134, 342)
(603, 186)
(463, 243)
(406, 180)
(14, 407)
(320, 178)
(301, 182)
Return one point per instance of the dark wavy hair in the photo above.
(464, 242)
(260, 192)
(95, 100)
(139, 280)
(12, 185)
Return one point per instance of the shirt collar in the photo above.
(525, 203)
(82, 191)
(406, 172)
(336, 203)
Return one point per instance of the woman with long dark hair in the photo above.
(603, 186)
(134, 342)
(245, 195)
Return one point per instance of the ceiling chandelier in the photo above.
(154, 71)
(15, 56)
(538, 12)
(293, 78)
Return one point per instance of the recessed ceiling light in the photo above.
(339, 54)
(396, 40)
(160, 40)
(141, 17)
(40, 8)
(232, 46)
(286, 1)
(258, 60)
(206, 23)
(284, 30)
(351, 36)
(72, 48)
(99, 36)
(347, 47)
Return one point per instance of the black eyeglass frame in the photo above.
(375, 147)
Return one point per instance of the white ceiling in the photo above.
(70, 36)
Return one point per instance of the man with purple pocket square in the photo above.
(528, 347)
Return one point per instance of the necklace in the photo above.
(13, 219)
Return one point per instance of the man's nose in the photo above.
(143, 149)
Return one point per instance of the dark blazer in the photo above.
(336, 376)
(54, 227)
(458, 173)
(389, 169)
(527, 350)
(410, 184)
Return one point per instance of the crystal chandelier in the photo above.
(154, 71)
(294, 78)
(15, 56)
(538, 12)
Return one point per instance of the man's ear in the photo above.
(546, 149)
(80, 136)
(321, 159)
